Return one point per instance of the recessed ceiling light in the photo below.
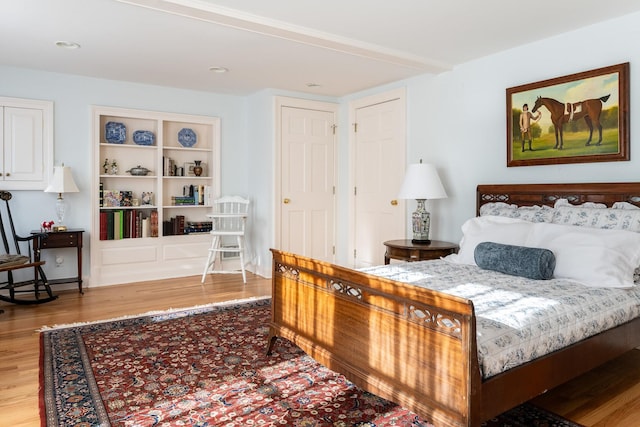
(313, 85)
(67, 45)
(219, 70)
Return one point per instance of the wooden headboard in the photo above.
(547, 194)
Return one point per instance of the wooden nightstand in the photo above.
(71, 238)
(407, 251)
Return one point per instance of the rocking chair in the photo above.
(13, 261)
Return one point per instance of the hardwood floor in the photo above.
(607, 397)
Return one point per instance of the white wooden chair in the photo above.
(229, 218)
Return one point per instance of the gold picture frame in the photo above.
(188, 169)
(578, 118)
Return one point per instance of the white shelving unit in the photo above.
(137, 253)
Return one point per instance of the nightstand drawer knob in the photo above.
(394, 202)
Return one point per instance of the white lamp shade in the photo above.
(422, 182)
(62, 181)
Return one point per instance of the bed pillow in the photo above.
(532, 263)
(510, 231)
(527, 213)
(593, 257)
(565, 202)
(624, 205)
(616, 219)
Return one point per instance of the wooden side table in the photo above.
(405, 250)
(71, 238)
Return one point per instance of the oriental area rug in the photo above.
(206, 366)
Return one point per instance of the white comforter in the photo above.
(518, 319)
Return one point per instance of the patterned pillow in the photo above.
(525, 213)
(613, 219)
(624, 205)
(593, 205)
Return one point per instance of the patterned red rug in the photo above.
(207, 367)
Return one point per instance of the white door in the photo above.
(26, 143)
(23, 144)
(378, 165)
(306, 199)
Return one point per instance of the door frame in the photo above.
(306, 104)
(400, 94)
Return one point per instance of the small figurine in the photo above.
(106, 166)
(114, 168)
(47, 225)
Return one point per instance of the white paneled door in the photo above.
(378, 165)
(307, 178)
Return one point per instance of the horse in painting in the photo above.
(589, 109)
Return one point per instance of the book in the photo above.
(198, 227)
(182, 200)
(117, 224)
(109, 225)
(201, 195)
(145, 227)
(180, 224)
(103, 225)
(138, 224)
(167, 228)
(154, 224)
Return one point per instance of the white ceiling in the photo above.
(343, 46)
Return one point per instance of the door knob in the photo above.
(286, 201)
(394, 202)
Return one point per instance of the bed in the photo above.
(417, 346)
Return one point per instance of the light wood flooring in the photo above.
(609, 396)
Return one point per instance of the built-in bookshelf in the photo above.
(155, 177)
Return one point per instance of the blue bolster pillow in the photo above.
(533, 263)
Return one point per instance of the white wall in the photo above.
(456, 120)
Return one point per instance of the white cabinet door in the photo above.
(23, 143)
(27, 145)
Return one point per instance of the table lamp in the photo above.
(62, 182)
(421, 182)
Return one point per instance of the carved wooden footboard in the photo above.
(417, 347)
(411, 345)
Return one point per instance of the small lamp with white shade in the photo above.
(421, 182)
(62, 182)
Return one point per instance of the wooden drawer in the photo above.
(60, 240)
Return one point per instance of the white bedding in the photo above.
(519, 319)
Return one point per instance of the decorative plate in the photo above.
(187, 137)
(143, 137)
(115, 133)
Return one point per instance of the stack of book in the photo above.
(168, 167)
(182, 200)
(128, 224)
(198, 227)
(174, 227)
(201, 194)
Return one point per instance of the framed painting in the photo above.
(579, 118)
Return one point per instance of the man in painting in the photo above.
(525, 124)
